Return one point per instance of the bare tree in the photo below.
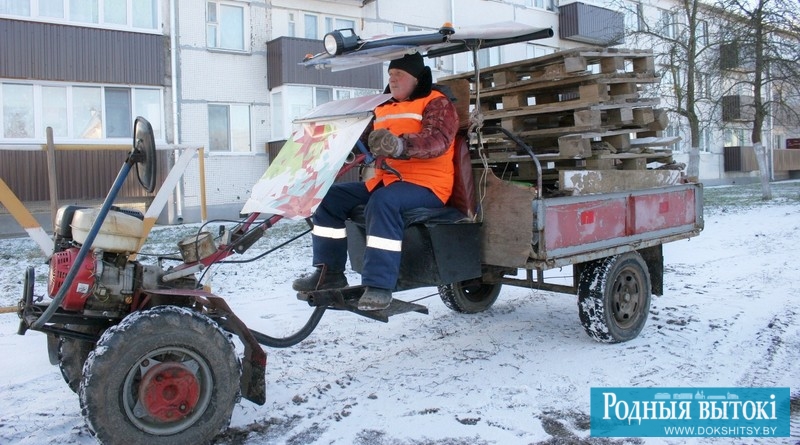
(765, 37)
(679, 38)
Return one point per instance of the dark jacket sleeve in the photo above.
(439, 126)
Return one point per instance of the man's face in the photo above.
(401, 84)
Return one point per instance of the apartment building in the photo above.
(224, 74)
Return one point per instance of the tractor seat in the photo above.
(442, 215)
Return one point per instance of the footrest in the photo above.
(346, 299)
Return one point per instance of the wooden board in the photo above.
(507, 214)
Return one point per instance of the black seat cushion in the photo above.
(418, 215)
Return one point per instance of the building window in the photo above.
(228, 128)
(139, 14)
(84, 11)
(332, 23)
(702, 32)
(22, 8)
(54, 110)
(398, 28)
(145, 14)
(18, 111)
(705, 140)
(292, 27)
(640, 23)
(87, 112)
(673, 130)
(51, 8)
(310, 23)
(550, 5)
(115, 11)
(487, 57)
(535, 50)
(734, 137)
(293, 101)
(225, 26)
(118, 112)
(76, 112)
(669, 24)
(702, 85)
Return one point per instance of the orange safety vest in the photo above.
(435, 173)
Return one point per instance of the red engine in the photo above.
(82, 286)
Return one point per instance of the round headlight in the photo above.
(333, 43)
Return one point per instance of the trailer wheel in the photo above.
(162, 376)
(614, 297)
(72, 354)
(470, 296)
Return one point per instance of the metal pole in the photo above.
(201, 162)
(52, 177)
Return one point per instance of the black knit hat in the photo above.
(410, 63)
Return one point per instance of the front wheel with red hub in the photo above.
(162, 376)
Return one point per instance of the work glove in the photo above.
(383, 143)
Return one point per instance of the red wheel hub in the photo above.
(169, 391)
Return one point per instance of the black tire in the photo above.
(163, 376)
(470, 296)
(72, 354)
(614, 297)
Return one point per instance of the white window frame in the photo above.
(40, 133)
(705, 140)
(333, 23)
(669, 23)
(232, 146)
(487, 57)
(702, 29)
(311, 32)
(674, 129)
(641, 25)
(533, 50)
(729, 134)
(214, 26)
(291, 30)
(35, 14)
(323, 24)
(400, 28)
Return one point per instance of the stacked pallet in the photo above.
(577, 109)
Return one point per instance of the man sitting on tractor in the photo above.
(413, 134)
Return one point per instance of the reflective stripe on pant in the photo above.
(328, 235)
(384, 219)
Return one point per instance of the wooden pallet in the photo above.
(563, 101)
(576, 109)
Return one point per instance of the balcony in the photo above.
(739, 159)
(284, 55)
(734, 57)
(591, 24)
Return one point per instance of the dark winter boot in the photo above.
(375, 299)
(319, 281)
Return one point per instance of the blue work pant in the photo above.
(384, 225)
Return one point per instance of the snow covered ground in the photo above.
(519, 373)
